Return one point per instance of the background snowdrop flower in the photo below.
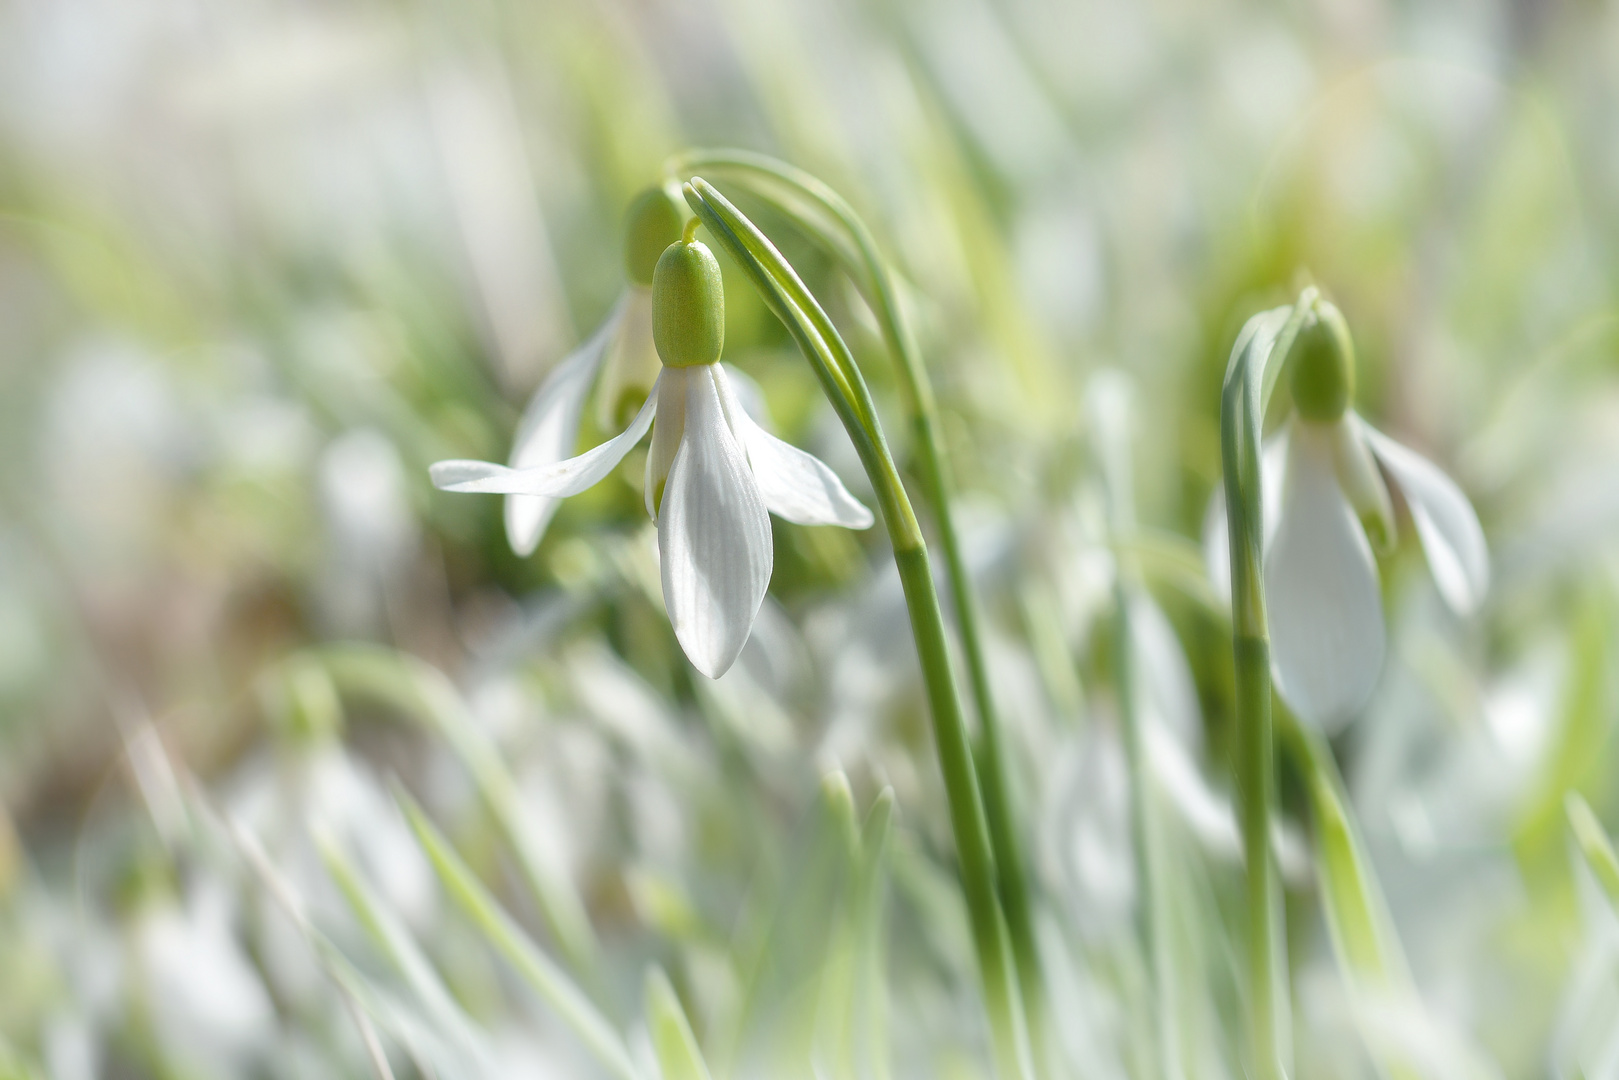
(1323, 493)
(713, 475)
(618, 361)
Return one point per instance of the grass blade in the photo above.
(422, 691)
(672, 1038)
(508, 939)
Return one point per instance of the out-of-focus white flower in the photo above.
(619, 361)
(1322, 488)
(550, 424)
(372, 528)
(713, 477)
(1321, 585)
(208, 1006)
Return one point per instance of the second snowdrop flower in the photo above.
(1326, 506)
(713, 476)
(617, 363)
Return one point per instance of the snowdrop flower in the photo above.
(713, 475)
(618, 362)
(1323, 492)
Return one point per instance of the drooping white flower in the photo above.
(1323, 485)
(713, 477)
(618, 362)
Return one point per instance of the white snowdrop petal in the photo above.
(1449, 528)
(744, 388)
(560, 479)
(1216, 534)
(1326, 616)
(1362, 484)
(549, 428)
(800, 487)
(671, 395)
(631, 363)
(713, 535)
(796, 486)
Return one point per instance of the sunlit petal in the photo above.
(1326, 616)
(713, 535)
(632, 366)
(1361, 482)
(557, 480)
(1451, 535)
(671, 395)
(1217, 538)
(549, 428)
(748, 391)
(796, 486)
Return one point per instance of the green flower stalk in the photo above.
(1301, 519)
(846, 389)
(830, 222)
(1249, 379)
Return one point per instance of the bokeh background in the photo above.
(261, 263)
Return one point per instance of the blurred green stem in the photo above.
(1152, 911)
(845, 387)
(1255, 364)
(1112, 435)
(826, 218)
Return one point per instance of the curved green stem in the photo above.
(1255, 367)
(840, 377)
(827, 219)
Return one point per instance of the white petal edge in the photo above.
(713, 535)
(1447, 524)
(1216, 533)
(549, 428)
(631, 359)
(797, 486)
(666, 434)
(1361, 482)
(1326, 614)
(561, 479)
(747, 390)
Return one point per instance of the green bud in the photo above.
(1324, 366)
(688, 306)
(652, 223)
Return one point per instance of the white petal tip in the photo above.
(456, 475)
(713, 537)
(712, 667)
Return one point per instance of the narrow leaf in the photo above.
(530, 962)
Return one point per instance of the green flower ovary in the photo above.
(1324, 367)
(688, 306)
(652, 223)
